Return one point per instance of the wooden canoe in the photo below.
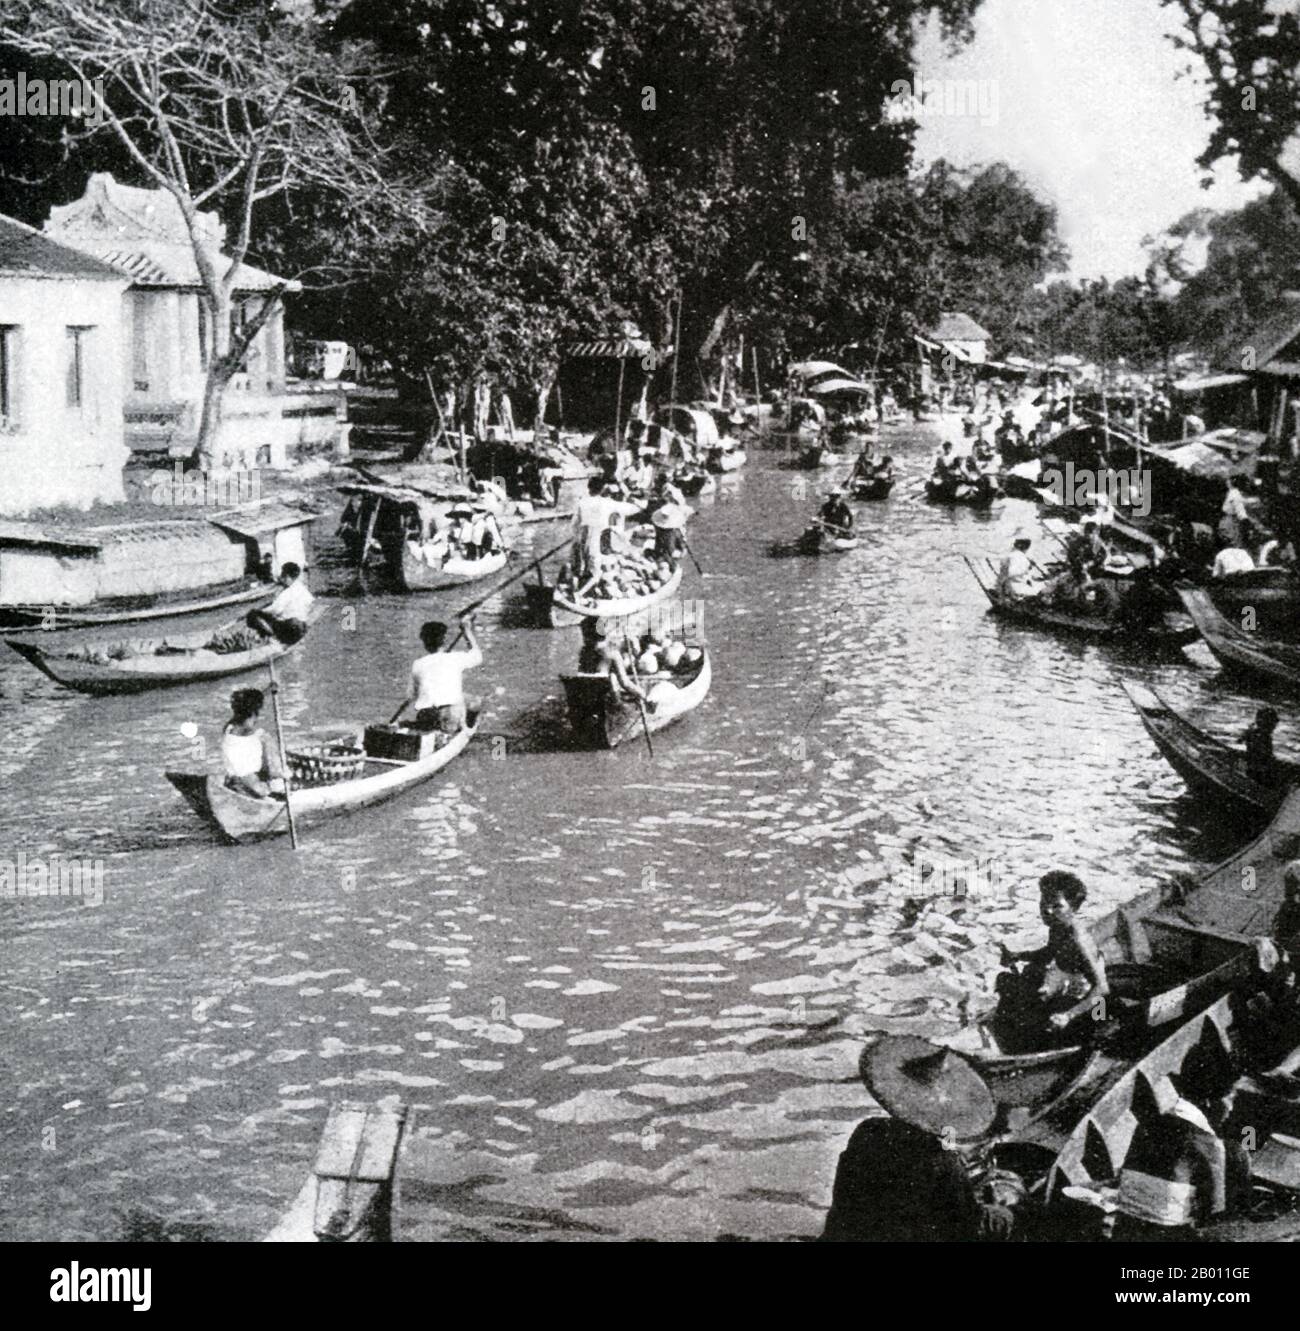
(1210, 767)
(348, 1197)
(136, 674)
(1236, 649)
(965, 493)
(1272, 593)
(557, 611)
(817, 541)
(871, 487)
(604, 721)
(156, 663)
(241, 818)
(417, 576)
(1221, 1040)
(1167, 632)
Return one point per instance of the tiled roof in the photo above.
(150, 264)
(25, 252)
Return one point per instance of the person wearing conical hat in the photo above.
(913, 1176)
(835, 514)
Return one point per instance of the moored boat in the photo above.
(134, 666)
(137, 610)
(1272, 595)
(1234, 648)
(370, 780)
(556, 608)
(603, 719)
(872, 487)
(418, 575)
(1210, 767)
(971, 494)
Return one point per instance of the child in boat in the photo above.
(437, 689)
(287, 617)
(1261, 765)
(1068, 975)
(251, 761)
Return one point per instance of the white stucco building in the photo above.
(142, 235)
(61, 422)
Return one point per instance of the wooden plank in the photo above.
(340, 1142)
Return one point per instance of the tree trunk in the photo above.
(544, 388)
(220, 372)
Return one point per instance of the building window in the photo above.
(140, 341)
(78, 340)
(8, 374)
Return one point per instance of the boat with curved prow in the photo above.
(1236, 649)
(242, 818)
(106, 667)
(1210, 767)
(557, 610)
(603, 719)
(419, 576)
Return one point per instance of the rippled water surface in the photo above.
(625, 995)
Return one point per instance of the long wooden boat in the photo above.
(417, 576)
(1210, 767)
(964, 493)
(1234, 648)
(128, 610)
(1272, 594)
(102, 667)
(815, 540)
(1170, 952)
(557, 610)
(241, 818)
(871, 487)
(348, 1197)
(1167, 632)
(601, 719)
(1235, 1043)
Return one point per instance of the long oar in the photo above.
(691, 552)
(514, 577)
(640, 703)
(284, 760)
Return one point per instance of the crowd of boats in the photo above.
(1108, 1089)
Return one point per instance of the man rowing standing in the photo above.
(437, 689)
(590, 522)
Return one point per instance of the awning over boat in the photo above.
(612, 348)
(828, 386)
(1204, 383)
(1220, 454)
(812, 369)
(262, 519)
(28, 535)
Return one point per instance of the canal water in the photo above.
(625, 995)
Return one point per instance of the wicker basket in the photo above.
(325, 764)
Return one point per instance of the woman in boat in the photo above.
(1068, 976)
(250, 760)
(1261, 765)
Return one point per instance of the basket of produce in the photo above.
(324, 764)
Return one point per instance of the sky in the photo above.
(1084, 99)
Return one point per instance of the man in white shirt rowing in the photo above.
(287, 617)
(437, 689)
(1017, 577)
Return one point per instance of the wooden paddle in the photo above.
(514, 577)
(691, 552)
(640, 703)
(838, 531)
(284, 761)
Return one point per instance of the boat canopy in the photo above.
(816, 369)
(827, 387)
(696, 424)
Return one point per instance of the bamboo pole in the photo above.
(284, 760)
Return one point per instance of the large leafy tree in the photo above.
(1250, 53)
(228, 107)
